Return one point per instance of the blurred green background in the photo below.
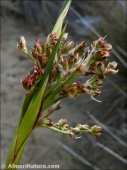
(87, 20)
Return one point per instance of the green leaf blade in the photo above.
(35, 105)
(58, 26)
(59, 23)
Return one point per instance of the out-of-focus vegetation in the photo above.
(88, 20)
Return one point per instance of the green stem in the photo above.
(10, 154)
(66, 132)
(15, 157)
(14, 154)
(54, 128)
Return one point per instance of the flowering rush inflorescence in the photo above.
(70, 61)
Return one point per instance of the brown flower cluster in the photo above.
(73, 90)
(69, 59)
(29, 82)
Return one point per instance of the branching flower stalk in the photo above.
(56, 65)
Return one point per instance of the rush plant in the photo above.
(56, 65)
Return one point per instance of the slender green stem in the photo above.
(54, 128)
(66, 132)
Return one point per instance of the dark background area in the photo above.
(87, 20)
